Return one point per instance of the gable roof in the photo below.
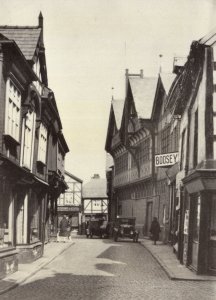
(209, 39)
(118, 106)
(73, 176)
(95, 188)
(25, 37)
(143, 91)
(167, 80)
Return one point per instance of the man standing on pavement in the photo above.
(155, 230)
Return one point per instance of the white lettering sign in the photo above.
(168, 159)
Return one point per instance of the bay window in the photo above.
(28, 139)
(12, 113)
(42, 146)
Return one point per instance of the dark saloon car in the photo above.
(97, 227)
(124, 227)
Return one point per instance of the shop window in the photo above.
(12, 114)
(34, 209)
(5, 218)
(213, 220)
(196, 222)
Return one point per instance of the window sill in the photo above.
(9, 139)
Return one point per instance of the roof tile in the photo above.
(25, 37)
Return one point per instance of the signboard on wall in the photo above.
(168, 159)
(69, 208)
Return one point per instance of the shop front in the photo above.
(8, 253)
(200, 217)
(29, 222)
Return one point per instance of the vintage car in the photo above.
(97, 227)
(124, 227)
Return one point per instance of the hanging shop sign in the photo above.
(168, 159)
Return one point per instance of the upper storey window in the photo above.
(28, 139)
(12, 115)
(42, 147)
(60, 160)
(37, 70)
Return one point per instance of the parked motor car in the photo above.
(97, 227)
(124, 227)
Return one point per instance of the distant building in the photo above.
(95, 199)
(70, 202)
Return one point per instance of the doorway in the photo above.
(195, 205)
(149, 216)
(212, 237)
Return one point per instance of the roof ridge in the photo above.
(19, 27)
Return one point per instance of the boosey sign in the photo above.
(168, 159)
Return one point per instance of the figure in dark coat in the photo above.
(64, 226)
(155, 230)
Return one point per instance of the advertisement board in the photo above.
(167, 159)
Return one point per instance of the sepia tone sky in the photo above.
(90, 43)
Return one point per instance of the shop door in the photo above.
(149, 217)
(212, 237)
(195, 231)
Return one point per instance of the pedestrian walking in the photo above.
(155, 230)
(64, 227)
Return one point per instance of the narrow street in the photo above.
(102, 269)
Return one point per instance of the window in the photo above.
(195, 157)
(42, 147)
(28, 139)
(182, 150)
(165, 139)
(121, 163)
(34, 208)
(142, 152)
(60, 160)
(12, 115)
(196, 220)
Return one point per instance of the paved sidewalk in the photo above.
(51, 251)
(171, 265)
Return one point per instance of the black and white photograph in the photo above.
(107, 150)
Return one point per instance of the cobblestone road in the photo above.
(100, 269)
